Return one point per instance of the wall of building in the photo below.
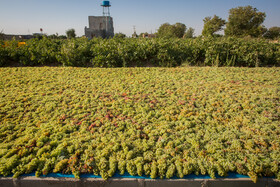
(17, 37)
(97, 27)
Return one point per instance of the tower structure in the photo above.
(101, 26)
(106, 13)
(134, 35)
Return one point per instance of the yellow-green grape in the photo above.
(131, 168)
(201, 167)
(43, 150)
(17, 174)
(170, 171)
(48, 166)
(139, 161)
(11, 153)
(179, 168)
(275, 167)
(103, 167)
(187, 168)
(39, 168)
(19, 170)
(130, 155)
(253, 176)
(60, 165)
(278, 176)
(144, 121)
(76, 174)
(104, 174)
(232, 167)
(122, 166)
(211, 172)
(162, 167)
(32, 165)
(112, 166)
(154, 170)
(23, 152)
(220, 169)
(239, 169)
(7, 164)
(116, 147)
(148, 156)
(147, 169)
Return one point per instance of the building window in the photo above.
(100, 26)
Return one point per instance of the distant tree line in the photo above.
(178, 30)
(242, 22)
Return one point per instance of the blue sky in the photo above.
(56, 16)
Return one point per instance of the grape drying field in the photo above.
(158, 122)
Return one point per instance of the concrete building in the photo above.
(99, 28)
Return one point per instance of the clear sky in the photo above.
(56, 16)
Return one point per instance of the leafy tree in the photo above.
(71, 33)
(179, 29)
(172, 31)
(143, 34)
(165, 30)
(53, 36)
(38, 36)
(189, 33)
(245, 21)
(272, 33)
(120, 35)
(212, 25)
(62, 37)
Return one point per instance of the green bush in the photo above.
(105, 53)
(75, 52)
(130, 52)
(3, 54)
(35, 52)
(240, 52)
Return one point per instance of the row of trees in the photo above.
(70, 33)
(242, 21)
(178, 30)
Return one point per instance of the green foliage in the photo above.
(70, 33)
(75, 52)
(62, 37)
(56, 36)
(4, 57)
(240, 52)
(171, 31)
(131, 52)
(212, 25)
(120, 35)
(106, 53)
(161, 122)
(189, 33)
(273, 33)
(245, 21)
(35, 52)
(38, 52)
